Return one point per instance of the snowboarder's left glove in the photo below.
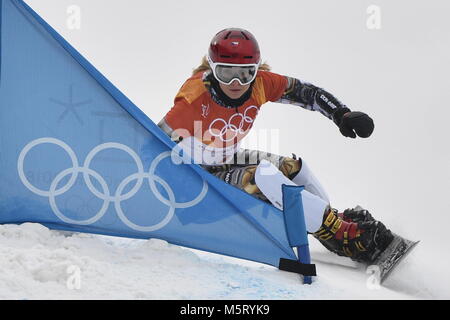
(355, 123)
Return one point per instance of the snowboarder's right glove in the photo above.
(354, 123)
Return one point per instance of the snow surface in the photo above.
(38, 263)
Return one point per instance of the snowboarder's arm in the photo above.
(169, 131)
(314, 98)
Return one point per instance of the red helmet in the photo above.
(234, 46)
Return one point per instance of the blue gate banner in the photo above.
(77, 155)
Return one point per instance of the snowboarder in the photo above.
(215, 109)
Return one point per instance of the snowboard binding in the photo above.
(354, 234)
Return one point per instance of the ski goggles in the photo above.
(226, 73)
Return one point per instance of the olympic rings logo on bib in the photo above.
(105, 193)
(236, 125)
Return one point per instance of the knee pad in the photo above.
(306, 178)
(270, 180)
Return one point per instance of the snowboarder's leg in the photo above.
(270, 180)
(285, 170)
(353, 233)
(241, 172)
(294, 168)
(242, 177)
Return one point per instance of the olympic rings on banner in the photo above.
(105, 193)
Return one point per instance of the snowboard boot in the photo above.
(354, 234)
(357, 215)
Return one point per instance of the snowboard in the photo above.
(391, 257)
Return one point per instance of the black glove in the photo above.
(356, 123)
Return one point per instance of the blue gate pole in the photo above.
(304, 257)
(295, 224)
